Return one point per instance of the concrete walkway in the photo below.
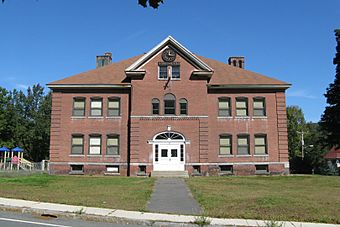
(142, 217)
(171, 195)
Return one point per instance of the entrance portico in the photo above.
(168, 151)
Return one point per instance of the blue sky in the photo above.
(45, 40)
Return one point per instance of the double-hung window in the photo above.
(78, 107)
(243, 145)
(260, 144)
(95, 145)
(175, 70)
(113, 107)
(96, 107)
(155, 106)
(183, 107)
(112, 145)
(225, 145)
(169, 104)
(259, 108)
(241, 107)
(163, 72)
(77, 144)
(224, 107)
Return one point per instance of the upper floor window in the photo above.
(113, 107)
(169, 104)
(260, 144)
(166, 71)
(225, 145)
(78, 107)
(112, 145)
(241, 107)
(95, 144)
(183, 105)
(163, 72)
(77, 144)
(155, 106)
(175, 70)
(96, 107)
(224, 107)
(259, 108)
(243, 144)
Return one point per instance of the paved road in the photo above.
(13, 219)
(171, 195)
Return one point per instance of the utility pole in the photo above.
(302, 144)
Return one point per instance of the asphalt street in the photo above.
(14, 219)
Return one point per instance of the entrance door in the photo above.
(169, 157)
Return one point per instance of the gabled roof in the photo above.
(221, 74)
(170, 41)
(333, 153)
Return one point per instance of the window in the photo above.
(183, 107)
(156, 153)
(241, 107)
(77, 144)
(163, 72)
(226, 169)
(113, 107)
(259, 107)
(77, 168)
(96, 107)
(169, 104)
(112, 145)
(224, 108)
(78, 107)
(95, 145)
(242, 144)
(260, 144)
(225, 145)
(164, 153)
(175, 72)
(261, 169)
(155, 106)
(182, 153)
(112, 169)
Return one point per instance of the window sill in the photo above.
(76, 155)
(242, 117)
(95, 117)
(225, 173)
(78, 117)
(224, 117)
(112, 156)
(111, 174)
(114, 117)
(261, 173)
(260, 117)
(225, 155)
(243, 155)
(76, 173)
(261, 155)
(94, 155)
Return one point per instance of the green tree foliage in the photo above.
(330, 120)
(296, 123)
(25, 121)
(152, 3)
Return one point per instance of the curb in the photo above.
(135, 216)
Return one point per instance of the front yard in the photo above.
(293, 198)
(97, 191)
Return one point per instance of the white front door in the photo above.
(169, 157)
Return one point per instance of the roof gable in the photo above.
(179, 48)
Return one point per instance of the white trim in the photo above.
(89, 85)
(248, 86)
(236, 163)
(169, 40)
(89, 163)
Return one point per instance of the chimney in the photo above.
(103, 60)
(236, 61)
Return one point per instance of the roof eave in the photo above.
(88, 86)
(249, 86)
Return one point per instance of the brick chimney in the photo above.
(236, 61)
(103, 60)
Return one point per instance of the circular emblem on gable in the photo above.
(168, 55)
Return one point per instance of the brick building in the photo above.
(169, 110)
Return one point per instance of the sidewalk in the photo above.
(53, 208)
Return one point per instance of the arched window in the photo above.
(169, 136)
(183, 107)
(169, 104)
(155, 106)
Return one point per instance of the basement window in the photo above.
(261, 169)
(196, 170)
(226, 169)
(112, 169)
(77, 169)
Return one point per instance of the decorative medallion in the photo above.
(168, 55)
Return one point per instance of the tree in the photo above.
(296, 124)
(153, 3)
(330, 120)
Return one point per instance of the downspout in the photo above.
(129, 131)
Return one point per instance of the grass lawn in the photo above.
(127, 193)
(293, 198)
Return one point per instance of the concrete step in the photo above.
(183, 174)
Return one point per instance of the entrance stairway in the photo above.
(182, 174)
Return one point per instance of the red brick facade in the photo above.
(201, 127)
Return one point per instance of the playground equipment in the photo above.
(11, 158)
